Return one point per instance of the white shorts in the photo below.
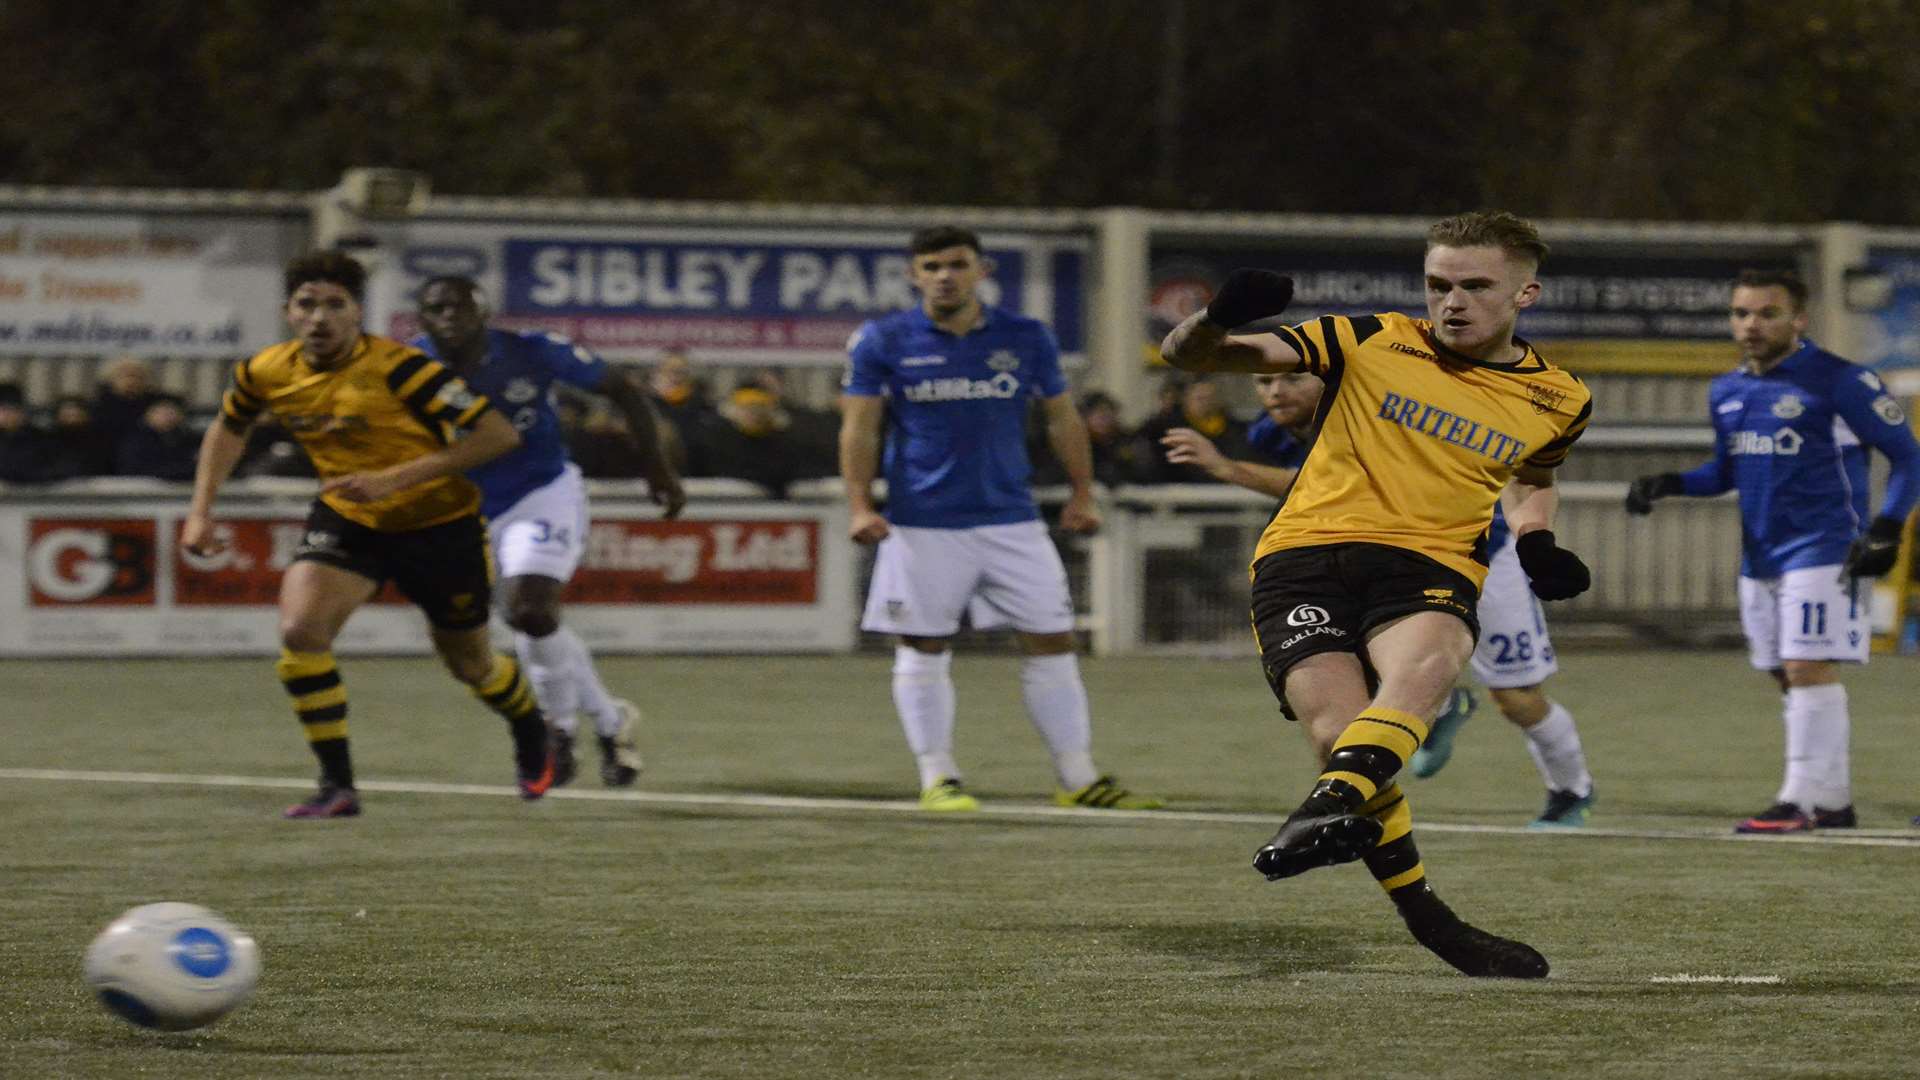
(545, 533)
(999, 575)
(1514, 649)
(1813, 613)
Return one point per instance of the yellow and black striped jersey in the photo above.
(1413, 443)
(388, 403)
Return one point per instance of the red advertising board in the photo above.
(91, 562)
(699, 562)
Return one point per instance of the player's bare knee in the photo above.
(1796, 673)
(533, 620)
(1046, 644)
(1524, 705)
(302, 636)
(929, 645)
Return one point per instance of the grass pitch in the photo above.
(766, 908)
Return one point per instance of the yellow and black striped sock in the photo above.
(1394, 861)
(508, 693)
(1367, 755)
(320, 701)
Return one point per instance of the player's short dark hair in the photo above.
(458, 281)
(1795, 285)
(1510, 233)
(942, 237)
(334, 267)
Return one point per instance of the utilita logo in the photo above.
(90, 561)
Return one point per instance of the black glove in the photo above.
(1642, 492)
(1873, 554)
(1247, 295)
(1554, 572)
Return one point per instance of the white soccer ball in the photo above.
(172, 966)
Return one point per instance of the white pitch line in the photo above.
(1854, 838)
(1745, 980)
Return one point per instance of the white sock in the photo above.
(1554, 744)
(595, 701)
(1057, 704)
(923, 695)
(1818, 732)
(548, 668)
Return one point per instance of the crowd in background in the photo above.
(755, 432)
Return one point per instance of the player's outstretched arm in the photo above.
(1186, 446)
(220, 450)
(860, 417)
(1201, 342)
(663, 480)
(1530, 502)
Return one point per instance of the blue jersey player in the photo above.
(535, 504)
(936, 398)
(1789, 424)
(1514, 655)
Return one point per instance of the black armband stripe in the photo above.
(404, 372)
(421, 399)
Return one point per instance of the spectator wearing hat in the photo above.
(160, 443)
(81, 447)
(27, 454)
(744, 441)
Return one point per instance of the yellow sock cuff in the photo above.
(300, 665)
(1391, 729)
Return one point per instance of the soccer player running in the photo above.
(1366, 581)
(391, 433)
(1790, 422)
(949, 382)
(1514, 656)
(535, 504)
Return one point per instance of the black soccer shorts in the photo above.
(1327, 598)
(445, 569)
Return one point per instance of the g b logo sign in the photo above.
(90, 561)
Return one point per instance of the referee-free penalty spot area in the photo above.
(1004, 809)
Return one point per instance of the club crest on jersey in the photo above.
(1889, 410)
(520, 391)
(1545, 399)
(1788, 407)
(1003, 360)
(455, 396)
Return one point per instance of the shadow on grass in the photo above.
(1263, 950)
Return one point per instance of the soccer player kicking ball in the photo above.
(1791, 421)
(1514, 656)
(950, 381)
(535, 503)
(379, 419)
(1365, 583)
